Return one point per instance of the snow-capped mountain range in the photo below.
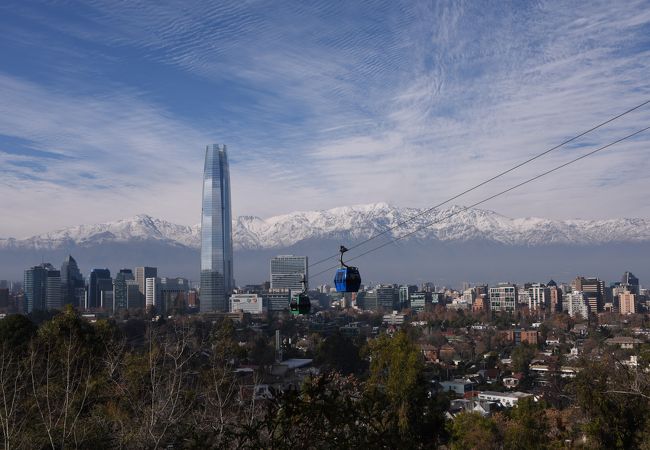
(350, 224)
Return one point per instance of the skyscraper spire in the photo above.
(217, 280)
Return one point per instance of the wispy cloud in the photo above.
(322, 104)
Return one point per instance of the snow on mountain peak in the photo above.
(354, 223)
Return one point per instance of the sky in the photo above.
(106, 106)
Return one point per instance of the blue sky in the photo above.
(106, 106)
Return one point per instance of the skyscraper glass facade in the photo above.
(216, 232)
(72, 283)
(120, 289)
(100, 280)
(35, 289)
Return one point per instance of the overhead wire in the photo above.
(491, 197)
(483, 183)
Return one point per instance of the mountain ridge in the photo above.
(352, 224)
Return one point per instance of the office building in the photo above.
(120, 289)
(288, 271)
(134, 299)
(277, 300)
(405, 295)
(594, 289)
(248, 303)
(35, 289)
(503, 297)
(4, 297)
(42, 288)
(72, 283)
(630, 283)
(166, 294)
(367, 300)
(100, 281)
(387, 297)
(173, 294)
(141, 275)
(419, 300)
(217, 281)
(53, 297)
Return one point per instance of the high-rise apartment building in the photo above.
(503, 297)
(576, 303)
(288, 271)
(141, 275)
(556, 296)
(152, 292)
(217, 281)
(539, 297)
(627, 303)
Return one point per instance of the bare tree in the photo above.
(13, 390)
(60, 378)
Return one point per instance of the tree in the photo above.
(339, 353)
(16, 332)
(616, 403)
(526, 425)
(65, 377)
(396, 398)
(522, 355)
(471, 431)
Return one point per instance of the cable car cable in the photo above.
(483, 183)
(530, 180)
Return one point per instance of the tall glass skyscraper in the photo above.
(216, 232)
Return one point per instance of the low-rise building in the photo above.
(459, 386)
(624, 342)
(248, 303)
(394, 318)
(508, 399)
(522, 336)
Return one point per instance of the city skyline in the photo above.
(400, 102)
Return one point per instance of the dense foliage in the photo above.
(69, 383)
